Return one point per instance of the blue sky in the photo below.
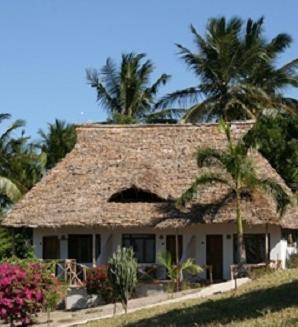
(47, 45)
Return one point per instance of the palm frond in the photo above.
(203, 180)
(200, 112)
(207, 156)
(182, 97)
(162, 80)
(164, 115)
(8, 188)
(6, 134)
(281, 197)
(4, 117)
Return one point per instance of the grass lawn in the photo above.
(271, 300)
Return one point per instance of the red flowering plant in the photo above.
(95, 279)
(23, 291)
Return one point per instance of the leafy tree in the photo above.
(239, 176)
(125, 92)
(57, 141)
(276, 137)
(237, 72)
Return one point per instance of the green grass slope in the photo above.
(271, 300)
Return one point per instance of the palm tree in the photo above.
(125, 91)
(57, 141)
(239, 176)
(237, 72)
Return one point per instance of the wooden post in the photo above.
(267, 244)
(93, 250)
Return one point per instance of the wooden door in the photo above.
(214, 255)
(50, 247)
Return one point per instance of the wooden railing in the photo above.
(70, 272)
(273, 264)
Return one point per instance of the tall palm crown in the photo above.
(238, 173)
(57, 142)
(236, 67)
(126, 91)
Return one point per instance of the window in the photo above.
(50, 247)
(254, 246)
(80, 247)
(134, 194)
(143, 246)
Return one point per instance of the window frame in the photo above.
(132, 237)
(250, 236)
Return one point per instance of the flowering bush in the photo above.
(24, 291)
(20, 294)
(96, 278)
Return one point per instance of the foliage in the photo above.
(25, 289)
(175, 271)
(276, 137)
(96, 278)
(122, 273)
(21, 166)
(237, 72)
(125, 91)
(293, 261)
(239, 174)
(57, 141)
(260, 272)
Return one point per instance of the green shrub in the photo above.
(122, 274)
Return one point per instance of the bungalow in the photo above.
(118, 187)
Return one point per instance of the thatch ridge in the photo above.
(156, 158)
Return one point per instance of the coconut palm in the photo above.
(57, 141)
(236, 68)
(238, 173)
(125, 92)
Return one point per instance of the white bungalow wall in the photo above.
(194, 241)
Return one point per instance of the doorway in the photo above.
(214, 255)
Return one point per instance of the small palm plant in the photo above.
(175, 270)
(239, 175)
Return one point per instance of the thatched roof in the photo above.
(159, 159)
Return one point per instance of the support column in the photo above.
(93, 249)
(267, 250)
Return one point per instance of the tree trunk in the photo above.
(240, 236)
(179, 272)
